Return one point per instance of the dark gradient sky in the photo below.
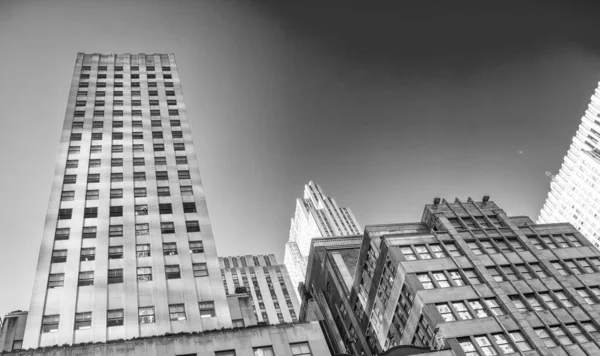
(384, 104)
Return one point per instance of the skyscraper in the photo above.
(267, 283)
(127, 248)
(575, 191)
(316, 216)
(465, 280)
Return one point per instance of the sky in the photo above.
(384, 104)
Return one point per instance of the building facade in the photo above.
(466, 280)
(316, 216)
(127, 248)
(574, 195)
(268, 284)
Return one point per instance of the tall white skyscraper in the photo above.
(575, 191)
(316, 216)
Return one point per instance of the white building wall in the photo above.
(574, 195)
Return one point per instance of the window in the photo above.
(546, 338)
(146, 315)
(56, 280)
(472, 277)
(96, 135)
(116, 211)
(142, 250)
(186, 190)
(475, 248)
(139, 192)
(172, 271)
(64, 214)
(176, 312)
(561, 335)
(301, 349)
(496, 276)
(159, 147)
(167, 228)
(510, 273)
(425, 280)
(157, 134)
(75, 137)
(192, 226)
(70, 179)
(136, 112)
(88, 254)
(503, 344)
(564, 300)
(115, 276)
(72, 163)
(179, 146)
(117, 135)
(207, 309)
(137, 135)
(115, 317)
(141, 209)
(488, 246)
(189, 207)
(441, 279)
(200, 269)
(516, 300)
(226, 352)
(162, 175)
(169, 248)
(50, 323)
(138, 148)
(160, 161)
(59, 256)
(116, 162)
(89, 232)
(62, 233)
(139, 176)
(478, 309)
(536, 242)
(456, 278)
(115, 230)
(591, 329)
(92, 194)
(494, 307)
(519, 340)
(116, 193)
(175, 123)
(116, 177)
(538, 270)
(485, 345)
(177, 134)
(86, 278)
(95, 149)
(67, 195)
(144, 274)
(423, 252)
(94, 178)
(163, 191)
(196, 247)
(115, 252)
(452, 249)
(533, 302)
(142, 229)
(91, 212)
(263, 351)
(461, 309)
(445, 312)
(183, 174)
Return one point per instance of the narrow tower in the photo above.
(574, 195)
(127, 248)
(316, 216)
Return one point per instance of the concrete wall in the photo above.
(12, 331)
(241, 340)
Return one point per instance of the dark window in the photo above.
(138, 148)
(117, 124)
(153, 102)
(172, 271)
(136, 112)
(59, 256)
(118, 93)
(163, 192)
(155, 123)
(97, 124)
(79, 114)
(154, 112)
(200, 269)
(173, 112)
(159, 147)
(50, 323)
(115, 230)
(116, 193)
(116, 211)
(89, 232)
(153, 93)
(116, 162)
(138, 135)
(165, 208)
(86, 278)
(74, 149)
(179, 146)
(136, 123)
(72, 163)
(207, 310)
(96, 136)
(196, 247)
(170, 93)
(115, 276)
(192, 226)
(167, 228)
(70, 179)
(95, 149)
(139, 192)
(91, 212)
(189, 207)
(157, 134)
(160, 161)
(115, 252)
(166, 69)
(116, 177)
(175, 122)
(162, 175)
(62, 233)
(138, 161)
(67, 195)
(177, 134)
(117, 135)
(75, 137)
(56, 280)
(183, 174)
(115, 317)
(139, 176)
(64, 214)
(169, 248)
